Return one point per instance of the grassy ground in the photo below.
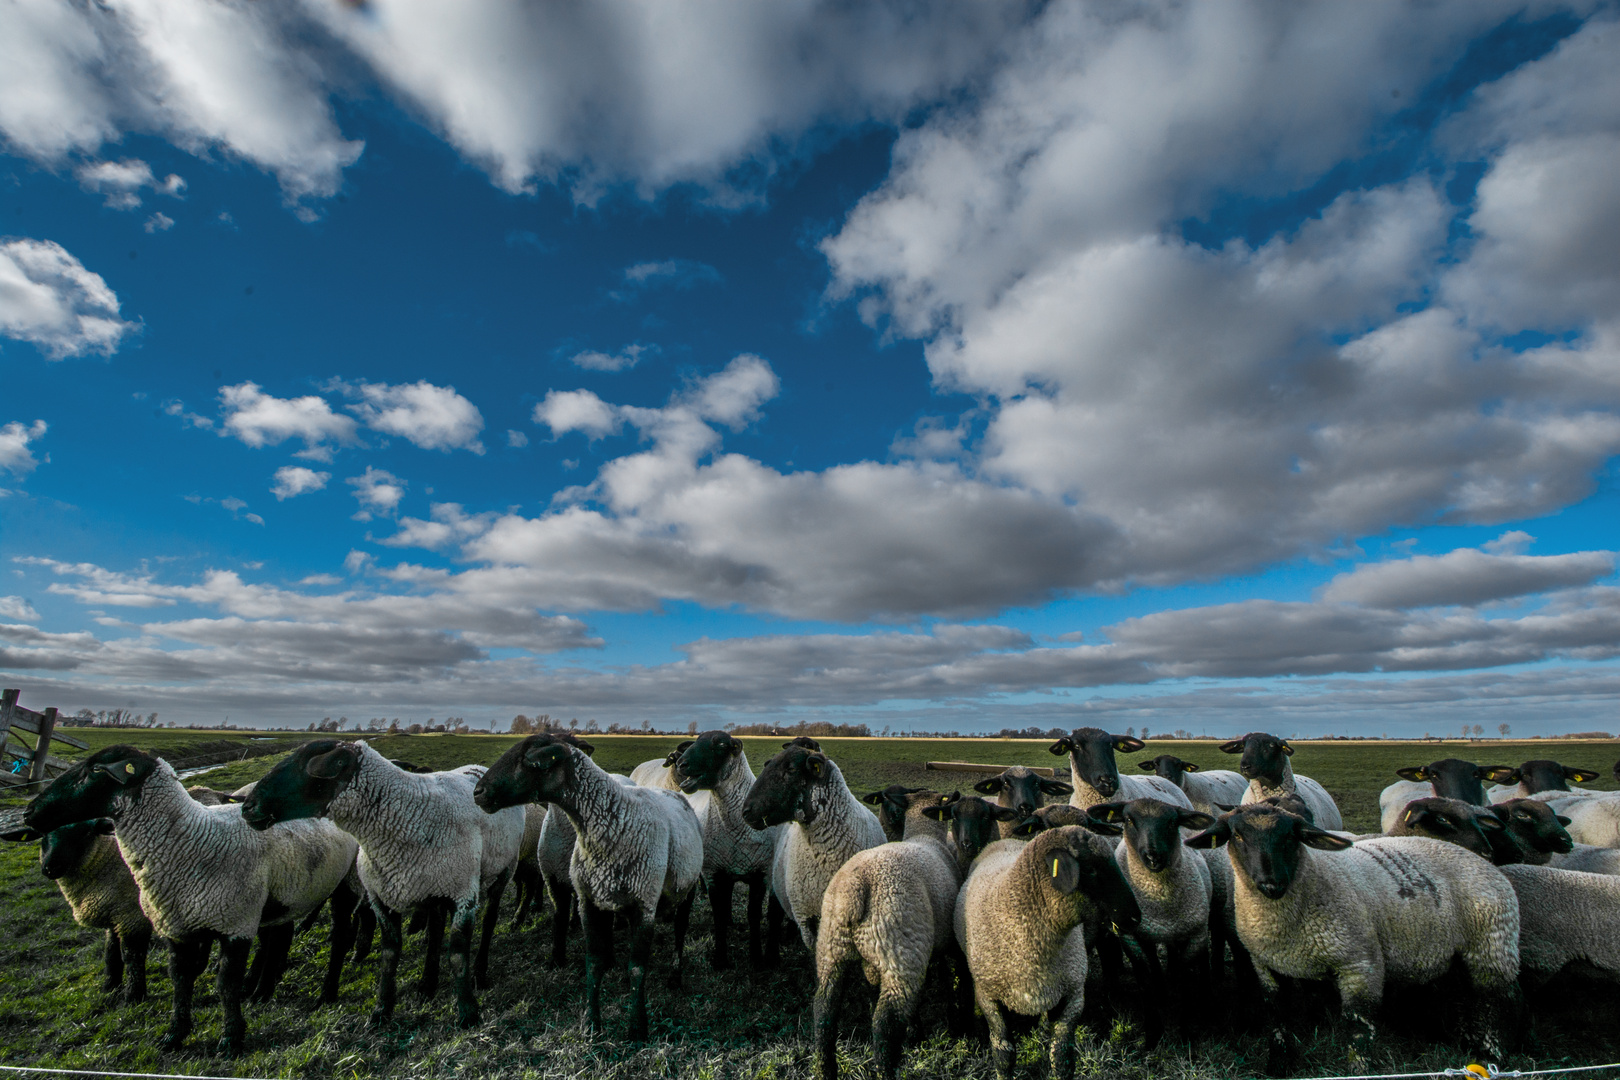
(731, 1024)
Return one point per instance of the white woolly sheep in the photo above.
(1567, 917)
(424, 844)
(660, 772)
(1020, 921)
(1265, 764)
(1448, 778)
(1207, 790)
(632, 846)
(1534, 777)
(203, 873)
(826, 824)
(83, 860)
(1095, 775)
(1401, 907)
(889, 910)
(715, 777)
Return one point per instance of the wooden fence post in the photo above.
(47, 724)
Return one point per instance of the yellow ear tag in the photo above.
(128, 768)
(1054, 867)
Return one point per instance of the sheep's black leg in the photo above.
(641, 939)
(275, 942)
(756, 905)
(233, 962)
(365, 927)
(682, 918)
(343, 904)
(112, 962)
(720, 903)
(959, 989)
(463, 922)
(1284, 1049)
(896, 1005)
(435, 939)
(1061, 1052)
(135, 948)
(830, 990)
(598, 958)
(562, 902)
(1151, 992)
(527, 879)
(492, 912)
(186, 961)
(311, 919)
(1001, 1044)
(774, 916)
(391, 924)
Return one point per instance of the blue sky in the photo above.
(1235, 367)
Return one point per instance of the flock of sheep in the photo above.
(1018, 904)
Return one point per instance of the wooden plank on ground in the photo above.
(969, 766)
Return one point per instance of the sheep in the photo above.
(660, 772)
(889, 909)
(1449, 778)
(83, 860)
(423, 844)
(1023, 790)
(1206, 790)
(1095, 775)
(1567, 917)
(715, 777)
(1265, 764)
(1535, 777)
(526, 875)
(1020, 920)
(1452, 820)
(891, 803)
(203, 873)
(1172, 890)
(632, 846)
(826, 824)
(1400, 907)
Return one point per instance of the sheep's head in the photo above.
(1152, 828)
(1072, 860)
(1539, 776)
(1268, 844)
(1265, 757)
(304, 783)
(1022, 789)
(1451, 820)
(705, 761)
(62, 851)
(540, 768)
(891, 805)
(1531, 825)
(99, 786)
(1058, 815)
(1091, 755)
(1453, 778)
(974, 823)
(787, 788)
(1169, 767)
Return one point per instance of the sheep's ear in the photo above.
(1062, 746)
(20, 836)
(1499, 774)
(1187, 766)
(1490, 823)
(1056, 787)
(817, 764)
(1127, 744)
(991, 786)
(1026, 828)
(735, 746)
(1225, 808)
(1103, 828)
(1580, 776)
(122, 772)
(937, 813)
(1150, 765)
(1233, 747)
(1311, 836)
(585, 748)
(1484, 772)
(1212, 837)
(1065, 872)
(1415, 773)
(106, 826)
(872, 799)
(330, 765)
(544, 756)
(1194, 819)
(1004, 813)
(1289, 750)
(1561, 819)
(1108, 811)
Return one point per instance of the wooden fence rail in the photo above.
(42, 764)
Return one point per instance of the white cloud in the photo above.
(15, 456)
(625, 358)
(516, 439)
(378, 492)
(294, 480)
(675, 273)
(449, 525)
(237, 78)
(48, 298)
(432, 417)
(1465, 576)
(258, 419)
(122, 182)
(159, 222)
(576, 410)
(17, 607)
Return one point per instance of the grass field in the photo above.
(733, 1024)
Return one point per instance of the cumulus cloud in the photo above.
(123, 181)
(1466, 577)
(625, 358)
(48, 298)
(432, 417)
(294, 480)
(576, 410)
(16, 607)
(448, 525)
(378, 492)
(159, 222)
(516, 439)
(259, 419)
(15, 456)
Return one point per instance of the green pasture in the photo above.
(723, 1024)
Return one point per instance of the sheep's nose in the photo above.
(1273, 890)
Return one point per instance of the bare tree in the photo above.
(1505, 729)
